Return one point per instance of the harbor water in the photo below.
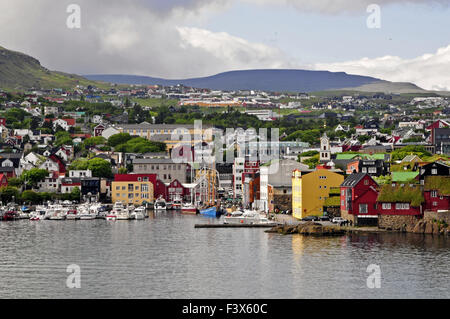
(164, 256)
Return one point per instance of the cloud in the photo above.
(130, 37)
(341, 6)
(429, 71)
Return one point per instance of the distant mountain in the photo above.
(266, 80)
(20, 71)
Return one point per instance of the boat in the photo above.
(56, 212)
(10, 215)
(72, 214)
(139, 213)
(189, 208)
(120, 212)
(85, 213)
(177, 203)
(39, 213)
(211, 212)
(169, 205)
(246, 217)
(160, 204)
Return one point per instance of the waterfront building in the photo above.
(133, 188)
(165, 169)
(277, 175)
(437, 193)
(359, 198)
(310, 190)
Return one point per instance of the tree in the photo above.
(15, 182)
(8, 194)
(75, 194)
(100, 167)
(31, 197)
(34, 176)
(118, 139)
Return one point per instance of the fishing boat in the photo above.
(139, 213)
(10, 215)
(160, 204)
(246, 217)
(211, 212)
(72, 214)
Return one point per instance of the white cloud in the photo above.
(429, 71)
(341, 6)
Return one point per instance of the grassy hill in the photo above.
(19, 71)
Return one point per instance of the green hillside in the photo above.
(19, 71)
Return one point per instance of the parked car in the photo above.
(338, 220)
(311, 219)
(324, 218)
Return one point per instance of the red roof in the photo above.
(70, 122)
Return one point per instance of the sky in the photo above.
(191, 38)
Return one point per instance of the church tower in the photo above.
(325, 149)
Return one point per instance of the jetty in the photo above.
(236, 225)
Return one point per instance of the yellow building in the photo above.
(309, 191)
(132, 189)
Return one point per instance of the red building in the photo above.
(359, 199)
(98, 130)
(2, 121)
(3, 180)
(437, 193)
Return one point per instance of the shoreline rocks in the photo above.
(310, 228)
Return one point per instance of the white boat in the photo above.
(120, 211)
(177, 203)
(56, 212)
(85, 213)
(246, 217)
(160, 204)
(189, 208)
(139, 213)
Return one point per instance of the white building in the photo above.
(238, 170)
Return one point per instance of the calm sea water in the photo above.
(165, 257)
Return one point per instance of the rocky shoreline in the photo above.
(317, 229)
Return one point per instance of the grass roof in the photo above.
(438, 183)
(403, 176)
(399, 194)
(333, 201)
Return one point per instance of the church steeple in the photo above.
(325, 149)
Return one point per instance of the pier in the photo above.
(235, 225)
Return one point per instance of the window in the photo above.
(435, 203)
(372, 170)
(366, 182)
(402, 206)
(386, 205)
(434, 171)
(363, 209)
(434, 194)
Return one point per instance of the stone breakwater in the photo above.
(309, 228)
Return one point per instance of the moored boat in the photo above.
(189, 209)
(139, 213)
(246, 217)
(210, 212)
(160, 204)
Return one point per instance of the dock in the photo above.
(235, 225)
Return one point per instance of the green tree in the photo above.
(118, 139)
(100, 167)
(34, 176)
(9, 194)
(75, 194)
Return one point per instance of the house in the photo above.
(110, 131)
(399, 205)
(3, 180)
(66, 124)
(69, 184)
(433, 169)
(133, 188)
(51, 184)
(80, 173)
(359, 198)
(99, 129)
(310, 190)
(441, 140)
(437, 193)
